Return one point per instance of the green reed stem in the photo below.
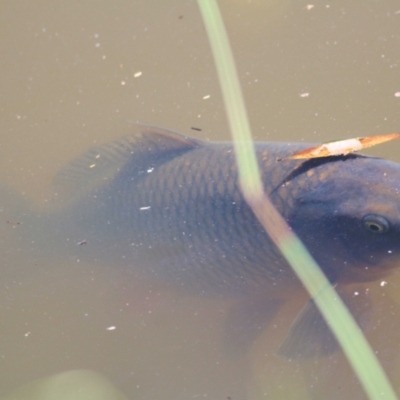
(341, 322)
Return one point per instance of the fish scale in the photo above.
(179, 205)
(217, 188)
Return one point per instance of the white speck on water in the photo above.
(27, 334)
(310, 6)
(206, 97)
(97, 45)
(356, 293)
(137, 74)
(111, 328)
(304, 94)
(150, 170)
(397, 94)
(123, 83)
(144, 208)
(96, 35)
(390, 251)
(383, 283)
(97, 156)
(92, 165)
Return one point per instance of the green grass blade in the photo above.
(348, 334)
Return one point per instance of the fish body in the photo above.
(171, 206)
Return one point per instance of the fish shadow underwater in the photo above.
(169, 207)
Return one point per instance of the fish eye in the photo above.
(376, 223)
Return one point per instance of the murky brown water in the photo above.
(76, 73)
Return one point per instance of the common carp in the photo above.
(170, 206)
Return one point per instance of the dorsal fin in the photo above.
(101, 163)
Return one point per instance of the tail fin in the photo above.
(15, 218)
(13, 212)
(26, 229)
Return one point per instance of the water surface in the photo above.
(75, 74)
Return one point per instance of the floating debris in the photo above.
(342, 147)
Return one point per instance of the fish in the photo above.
(170, 207)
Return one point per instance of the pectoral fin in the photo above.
(246, 321)
(310, 336)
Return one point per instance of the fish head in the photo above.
(347, 212)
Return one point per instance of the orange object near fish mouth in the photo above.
(342, 147)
